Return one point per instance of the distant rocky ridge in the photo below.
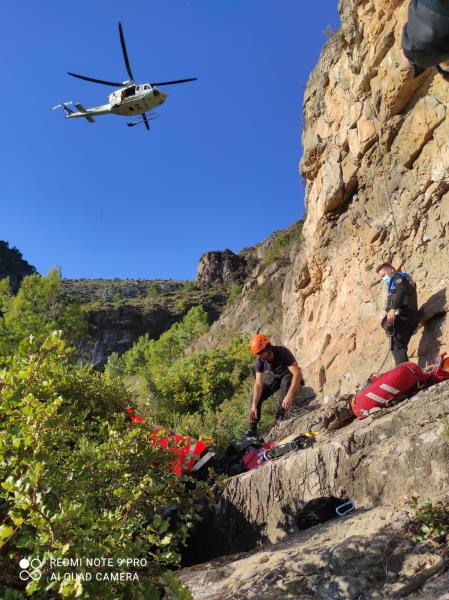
(119, 311)
(13, 265)
(240, 292)
(107, 290)
(115, 326)
(222, 266)
(258, 303)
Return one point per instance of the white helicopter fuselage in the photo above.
(127, 101)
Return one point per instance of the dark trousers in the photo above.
(271, 384)
(425, 37)
(403, 331)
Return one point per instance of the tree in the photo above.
(196, 382)
(39, 308)
(150, 357)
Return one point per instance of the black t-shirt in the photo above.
(282, 359)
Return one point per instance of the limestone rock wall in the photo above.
(376, 163)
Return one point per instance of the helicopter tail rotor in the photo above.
(65, 107)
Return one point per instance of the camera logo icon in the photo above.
(31, 569)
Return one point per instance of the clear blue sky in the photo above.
(219, 168)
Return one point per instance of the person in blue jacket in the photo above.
(425, 37)
(402, 317)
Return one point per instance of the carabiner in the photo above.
(345, 508)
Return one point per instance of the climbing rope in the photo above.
(384, 361)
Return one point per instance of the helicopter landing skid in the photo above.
(150, 117)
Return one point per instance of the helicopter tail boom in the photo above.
(86, 115)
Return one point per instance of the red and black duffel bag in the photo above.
(396, 384)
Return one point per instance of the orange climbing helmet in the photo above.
(259, 342)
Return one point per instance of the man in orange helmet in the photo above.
(276, 369)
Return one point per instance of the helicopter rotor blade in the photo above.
(125, 53)
(145, 120)
(102, 81)
(175, 82)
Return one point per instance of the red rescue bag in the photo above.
(185, 449)
(396, 384)
(441, 368)
(190, 456)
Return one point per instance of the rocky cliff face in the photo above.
(115, 328)
(376, 163)
(221, 267)
(258, 302)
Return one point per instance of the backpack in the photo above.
(254, 453)
(320, 510)
(392, 386)
(232, 460)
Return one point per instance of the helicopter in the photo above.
(131, 99)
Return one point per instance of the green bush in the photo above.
(196, 382)
(183, 304)
(431, 521)
(282, 243)
(154, 289)
(234, 293)
(77, 481)
(228, 423)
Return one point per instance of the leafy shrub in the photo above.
(154, 289)
(281, 243)
(197, 382)
(234, 293)
(77, 482)
(431, 521)
(201, 381)
(264, 292)
(183, 304)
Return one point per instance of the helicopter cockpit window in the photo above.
(146, 87)
(129, 92)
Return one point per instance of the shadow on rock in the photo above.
(433, 315)
(223, 530)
